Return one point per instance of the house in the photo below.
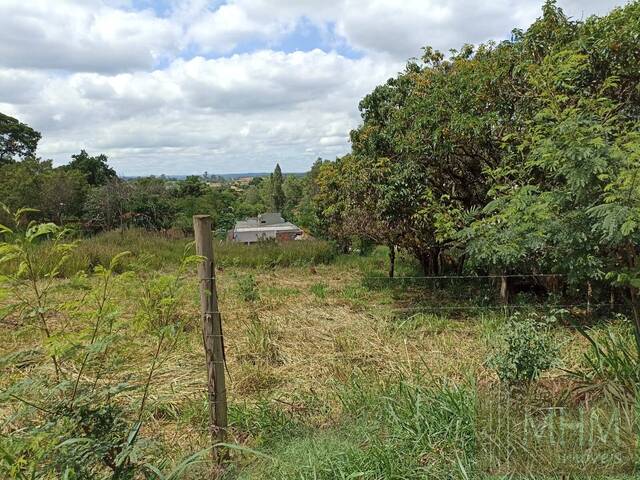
(267, 226)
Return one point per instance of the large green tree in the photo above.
(95, 168)
(17, 140)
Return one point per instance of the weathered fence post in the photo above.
(212, 334)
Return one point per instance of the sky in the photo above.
(183, 87)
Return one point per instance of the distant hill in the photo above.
(226, 176)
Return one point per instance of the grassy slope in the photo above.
(329, 378)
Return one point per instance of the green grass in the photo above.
(334, 377)
(164, 252)
(402, 431)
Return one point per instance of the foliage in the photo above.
(400, 431)
(16, 140)
(167, 250)
(611, 367)
(72, 421)
(95, 169)
(524, 348)
(277, 193)
(248, 288)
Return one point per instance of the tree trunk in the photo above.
(504, 290)
(392, 260)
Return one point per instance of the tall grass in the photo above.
(397, 431)
(611, 367)
(166, 252)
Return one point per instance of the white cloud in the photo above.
(224, 29)
(101, 75)
(82, 36)
(210, 114)
(396, 28)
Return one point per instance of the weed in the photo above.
(319, 290)
(100, 249)
(261, 339)
(398, 431)
(524, 348)
(248, 288)
(611, 367)
(428, 322)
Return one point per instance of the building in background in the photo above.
(267, 226)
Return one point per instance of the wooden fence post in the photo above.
(212, 334)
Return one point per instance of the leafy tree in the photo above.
(108, 206)
(192, 186)
(16, 140)
(22, 183)
(277, 193)
(96, 170)
(63, 195)
(150, 204)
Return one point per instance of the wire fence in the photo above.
(505, 293)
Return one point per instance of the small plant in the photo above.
(248, 288)
(611, 368)
(262, 341)
(319, 290)
(81, 418)
(524, 349)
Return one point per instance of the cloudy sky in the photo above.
(179, 87)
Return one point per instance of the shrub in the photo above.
(524, 349)
(248, 288)
(611, 367)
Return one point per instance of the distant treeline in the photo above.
(87, 194)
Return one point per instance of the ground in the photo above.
(334, 373)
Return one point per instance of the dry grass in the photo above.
(292, 349)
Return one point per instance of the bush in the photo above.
(524, 349)
(248, 288)
(611, 368)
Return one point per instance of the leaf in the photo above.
(36, 231)
(116, 260)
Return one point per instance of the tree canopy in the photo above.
(17, 140)
(518, 156)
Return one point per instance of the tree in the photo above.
(277, 193)
(16, 140)
(108, 206)
(192, 186)
(292, 188)
(22, 183)
(63, 195)
(95, 169)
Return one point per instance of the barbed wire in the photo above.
(421, 309)
(444, 277)
(371, 309)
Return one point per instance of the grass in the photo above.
(164, 251)
(330, 375)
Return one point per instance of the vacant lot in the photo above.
(332, 371)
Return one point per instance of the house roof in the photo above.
(265, 222)
(271, 218)
(243, 226)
